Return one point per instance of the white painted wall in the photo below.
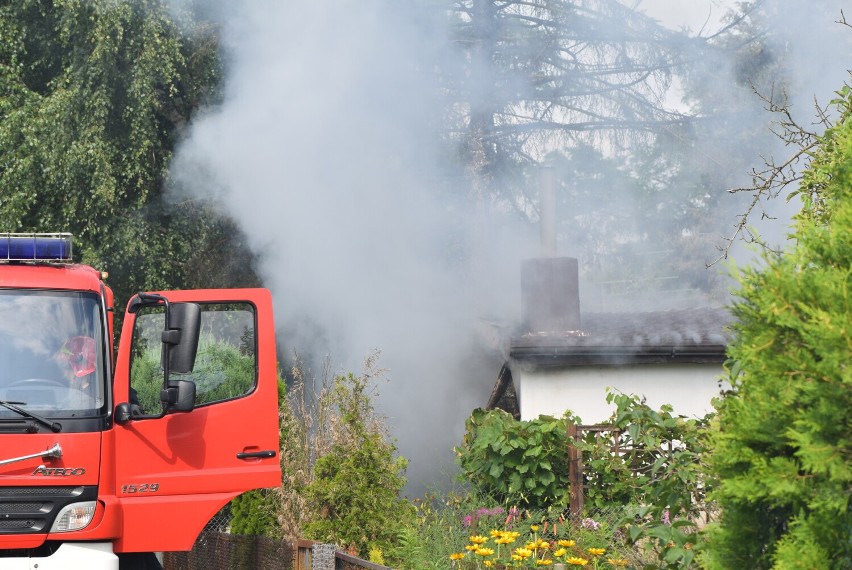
(689, 388)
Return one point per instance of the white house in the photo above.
(562, 360)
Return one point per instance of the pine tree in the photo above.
(782, 451)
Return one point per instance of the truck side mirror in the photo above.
(179, 396)
(181, 337)
(180, 346)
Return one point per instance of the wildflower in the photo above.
(534, 528)
(523, 553)
(544, 562)
(666, 519)
(457, 555)
(539, 544)
(590, 523)
(471, 547)
(478, 539)
(496, 533)
(488, 563)
(596, 551)
(566, 543)
(617, 562)
(467, 520)
(513, 512)
(576, 561)
(484, 551)
(559, 553)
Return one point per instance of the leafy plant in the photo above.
(782, 452)
(355, 491)
(513, 461)
(659, 472)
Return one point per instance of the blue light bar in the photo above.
(35, 247)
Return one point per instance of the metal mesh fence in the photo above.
(239, 552)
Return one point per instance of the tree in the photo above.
(540, 75)
(354, 493)
(583, 86)
(783, 451)
(93, 96)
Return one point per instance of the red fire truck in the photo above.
(106, 455)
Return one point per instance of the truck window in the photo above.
(53, 352)
(225, 366)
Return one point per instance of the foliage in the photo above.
(660, 468)
(347, 475)
(782, 451)
(93, 95)
(537, 545)
(252, 514)
(535, 75)
(446, 522)
(513, 461)
(221, 372)
(657, 475)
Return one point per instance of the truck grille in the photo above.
(32, 510)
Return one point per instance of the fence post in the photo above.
(575, 473)
(323, 557)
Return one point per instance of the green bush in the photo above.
(221, 372)
(516, 462)
(783, 452)
(354, 495)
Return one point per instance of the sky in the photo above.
(693, 14)
(321, 152)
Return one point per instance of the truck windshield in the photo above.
(52, 353)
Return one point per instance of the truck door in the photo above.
(175, 470)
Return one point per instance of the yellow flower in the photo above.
(479, 539)
(484, 551)
(496, 533)
(560, 552)
(488, 563)
(457, 555)
(596, 551)
(534, 528)
(543, 562)
(471, 547)
(503, 539)
(523, 552)
(566, 543)
(576, 561)
(617, 561)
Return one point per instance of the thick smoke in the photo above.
(324, 150)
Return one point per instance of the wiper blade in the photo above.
(52, 426)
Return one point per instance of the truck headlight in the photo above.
(74, 517)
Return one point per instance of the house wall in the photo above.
(689, 388)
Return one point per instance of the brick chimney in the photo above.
(551, 294)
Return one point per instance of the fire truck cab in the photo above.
(108, 453)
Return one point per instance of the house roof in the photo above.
(691, 335)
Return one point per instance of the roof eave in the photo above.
(565, 356)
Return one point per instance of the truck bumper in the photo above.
(88, 555)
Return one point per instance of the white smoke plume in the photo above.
(323, 149)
